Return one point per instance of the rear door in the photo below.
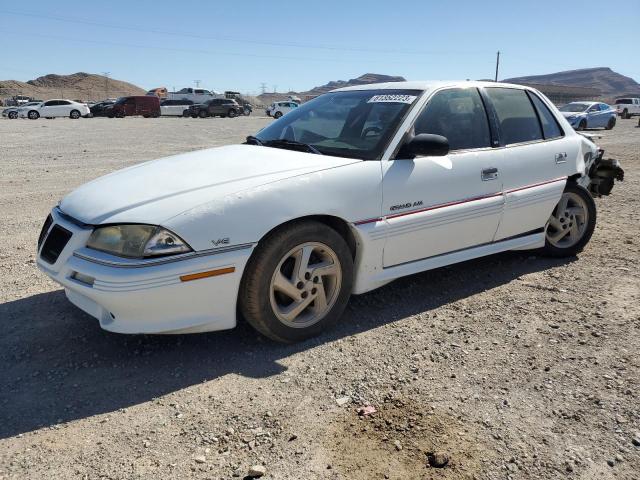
(63, 109)
(536, 159)
(436, 205)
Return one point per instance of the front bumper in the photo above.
(148, 296)
(603, 174)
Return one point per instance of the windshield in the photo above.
(353, 124)
(574, 107)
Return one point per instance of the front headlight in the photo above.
(136, 241)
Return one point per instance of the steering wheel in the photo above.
(375, 130)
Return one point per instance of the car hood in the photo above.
(156, 191)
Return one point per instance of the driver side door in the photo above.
(441, 204)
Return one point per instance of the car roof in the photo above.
(428, 85)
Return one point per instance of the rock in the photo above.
(341, 401)
(200, 459)
(611, 462)
(636, 441)
(256, 471)
(437, 459)
(397, 444)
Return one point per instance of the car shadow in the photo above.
(59, 366)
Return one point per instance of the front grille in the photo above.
(54, 244)
(45, 229)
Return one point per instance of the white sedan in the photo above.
(348, 192)
(55, 108)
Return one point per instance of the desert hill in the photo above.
(608, 82)
(81, 86)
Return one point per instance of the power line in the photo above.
(241, 40)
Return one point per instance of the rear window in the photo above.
(550, 127)
(518, 120)
(624, 101)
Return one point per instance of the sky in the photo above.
(293, 45)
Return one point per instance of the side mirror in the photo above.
(424, 145)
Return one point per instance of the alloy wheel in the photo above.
(305, 285)
(568, 222)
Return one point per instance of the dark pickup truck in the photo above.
(218, 107)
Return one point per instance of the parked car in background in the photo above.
(582, 115)
(160, 92)
(217, 107)
(355, 188)
(145, 105)
(196, 95)
(100, 109)
(55, 108)
(175, 108)
(247, 109)
(277, 109)
(627, 107)
(12, 112)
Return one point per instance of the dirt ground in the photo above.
(512, 366)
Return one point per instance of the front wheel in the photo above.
(582, 125)
(231, 113)
(202, 114)
(75, 114)
(298, 282)
(33, 115)
(571, 223)
(625, 114)
(277, 115)
(12, 115)
(611, 123)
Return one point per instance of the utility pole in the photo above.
(106, 83)
(263, 87)
(497, 64)
(275, 88)
(197, 82)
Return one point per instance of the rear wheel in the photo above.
(571, 223)
(277, 115)
(186, 114)
(33, 115)
(202, 114)
(298, 282)
(611, 123)
(75, 114)
(625, 114)
(231, 113)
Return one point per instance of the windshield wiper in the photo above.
(251, 140)
(283, 142)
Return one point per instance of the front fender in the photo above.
(352, 192)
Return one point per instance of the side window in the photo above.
(64, 102)
(50, 103)
(518, 120)
(459, 115)
(550, 126)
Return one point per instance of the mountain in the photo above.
(267, 98)
(80, 86)
(608, 82)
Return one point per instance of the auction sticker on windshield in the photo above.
(392, 99)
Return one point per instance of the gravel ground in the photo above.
(511, 366)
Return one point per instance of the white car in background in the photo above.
(278, 109)
(175, 108)
(55, 108)
(12, 112)
(353, 189)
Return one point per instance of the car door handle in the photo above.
(561, 158)
(489, 174)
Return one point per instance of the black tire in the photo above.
(12, 115)
(554, 251)
(582, 125)
(202, 114)
(33, 115)
(231, 113)
(74, 114)
(255, 296)
(277, 115)
(625, 114)
(186, 114)
(611, 123)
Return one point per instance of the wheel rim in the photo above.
(568, 222)
(305, 285)
(32, 115)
